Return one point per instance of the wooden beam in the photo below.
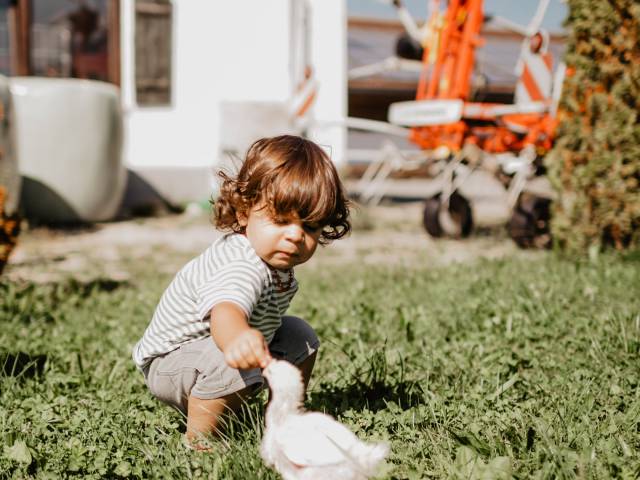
(24, 37)
(12, 24)
(19, 20)
(113, 36)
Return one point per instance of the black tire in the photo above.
(529, 224)
(459, 209)
(430, 216)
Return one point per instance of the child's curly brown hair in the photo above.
(288, 174)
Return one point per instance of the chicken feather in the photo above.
(311, 445)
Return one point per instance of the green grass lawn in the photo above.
(518, 367)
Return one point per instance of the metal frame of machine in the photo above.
(459, 136)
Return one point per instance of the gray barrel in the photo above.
(69, 143)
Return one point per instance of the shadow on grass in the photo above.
(85, 289)
(336, 399)
(374, 382)
(22, 364)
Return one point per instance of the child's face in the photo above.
(281, 242)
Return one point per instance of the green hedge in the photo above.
(595, 164)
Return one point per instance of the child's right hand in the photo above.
(248, 350)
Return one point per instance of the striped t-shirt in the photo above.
(228, 271)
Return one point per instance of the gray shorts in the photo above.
(198, 368)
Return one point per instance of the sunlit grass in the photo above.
(499, 368)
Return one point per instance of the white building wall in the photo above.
(225, 50)
(329, 54)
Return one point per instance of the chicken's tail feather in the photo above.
(370, 457)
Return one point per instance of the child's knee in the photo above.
(295, 340)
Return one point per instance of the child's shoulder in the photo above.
(230, 252)
(231, 248)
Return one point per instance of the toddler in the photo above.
(222, 317)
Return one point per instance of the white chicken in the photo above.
(310, 445)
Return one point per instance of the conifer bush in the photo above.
(595, 164)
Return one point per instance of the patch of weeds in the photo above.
(505, 367)
(29, 303)
(631, 256)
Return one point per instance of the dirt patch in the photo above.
(393, 235)
(388, 234)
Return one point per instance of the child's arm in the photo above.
(243, 347)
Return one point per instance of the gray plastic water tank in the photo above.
(69, 148)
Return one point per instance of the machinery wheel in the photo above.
(459, 212)
(430, 216)
(529, 224)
